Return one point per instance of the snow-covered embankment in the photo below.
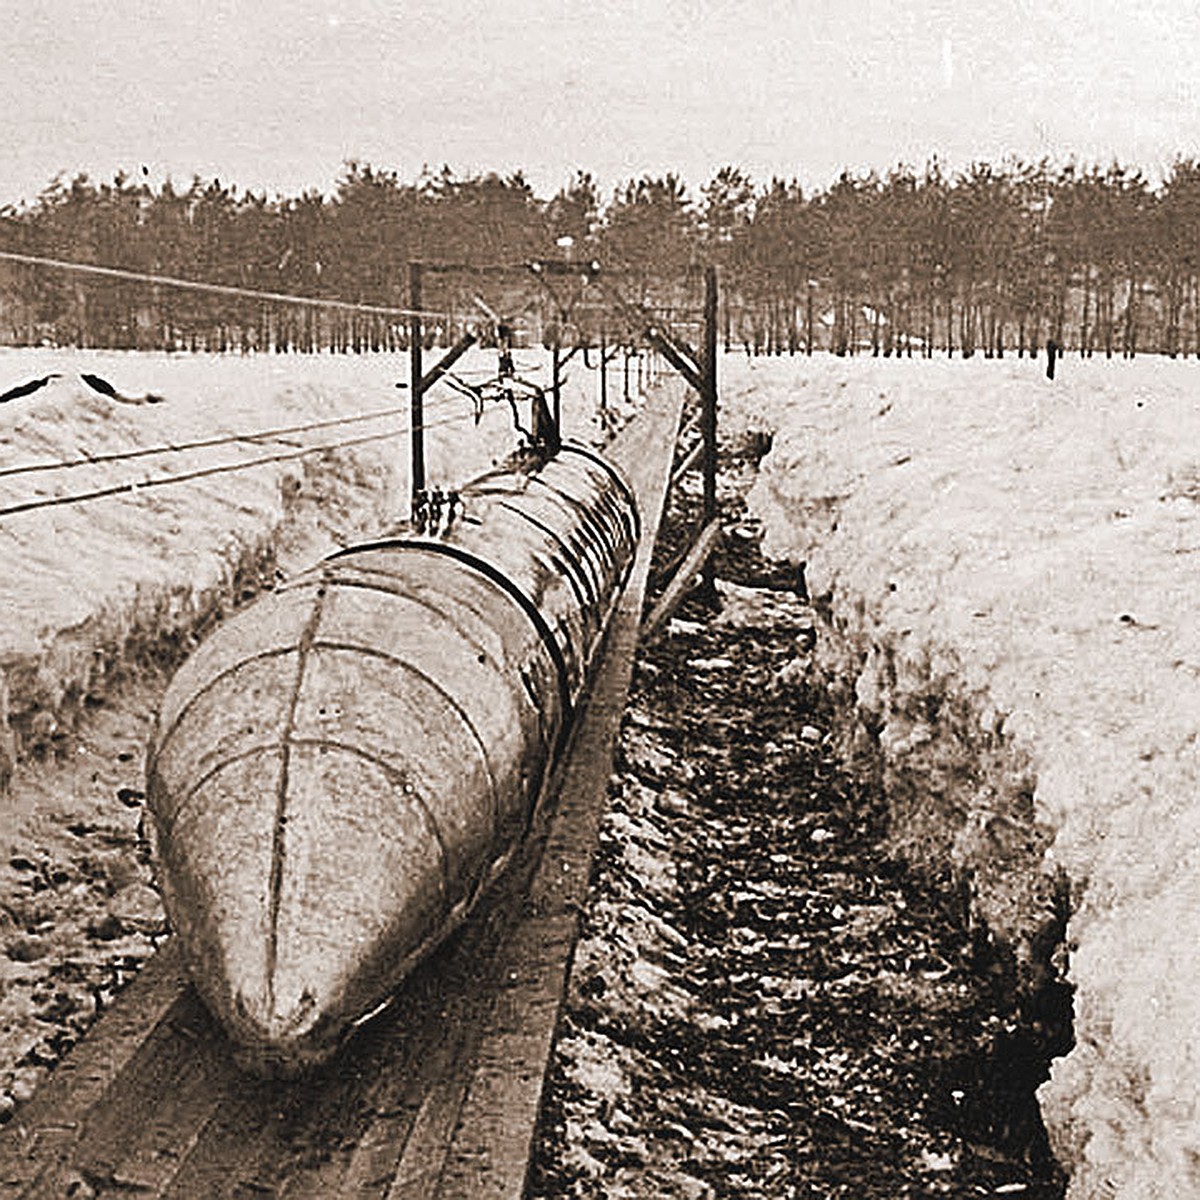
(89, 586)
(1009, 570)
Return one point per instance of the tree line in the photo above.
(988, 260)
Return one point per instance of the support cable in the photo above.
(198, 444)
(206, 443)
(56, 464)
(133, 487)
(217, 289)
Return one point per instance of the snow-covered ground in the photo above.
(83, 582)
(1007, 566)
(1009, 569)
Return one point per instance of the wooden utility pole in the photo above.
(415, 373)
(603, 382)
(708, 407)
(699, 370)
(556, 381)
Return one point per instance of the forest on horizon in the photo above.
(990, 259)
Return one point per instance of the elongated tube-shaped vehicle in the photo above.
(339, 771)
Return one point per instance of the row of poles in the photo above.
(699, 370)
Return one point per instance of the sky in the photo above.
(275, 95)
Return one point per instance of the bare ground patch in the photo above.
(765, 1002)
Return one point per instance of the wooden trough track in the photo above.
(439, 1096)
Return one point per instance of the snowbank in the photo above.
(89, 587)
(1009, 570)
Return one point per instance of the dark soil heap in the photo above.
(762, 1003)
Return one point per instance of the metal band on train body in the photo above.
(494, 575)
(586, 512)
(614, 475)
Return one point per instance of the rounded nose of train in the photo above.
(299, 914)
(280, 1044)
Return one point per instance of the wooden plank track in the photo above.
(439, 1096)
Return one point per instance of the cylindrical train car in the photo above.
(339, 772)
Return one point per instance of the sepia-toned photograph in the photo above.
(600, 601)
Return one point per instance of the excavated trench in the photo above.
(765, 1000)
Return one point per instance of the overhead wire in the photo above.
(201, 443)
(132, 487)
(534, 266)
(204, 443)
(218, 289)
